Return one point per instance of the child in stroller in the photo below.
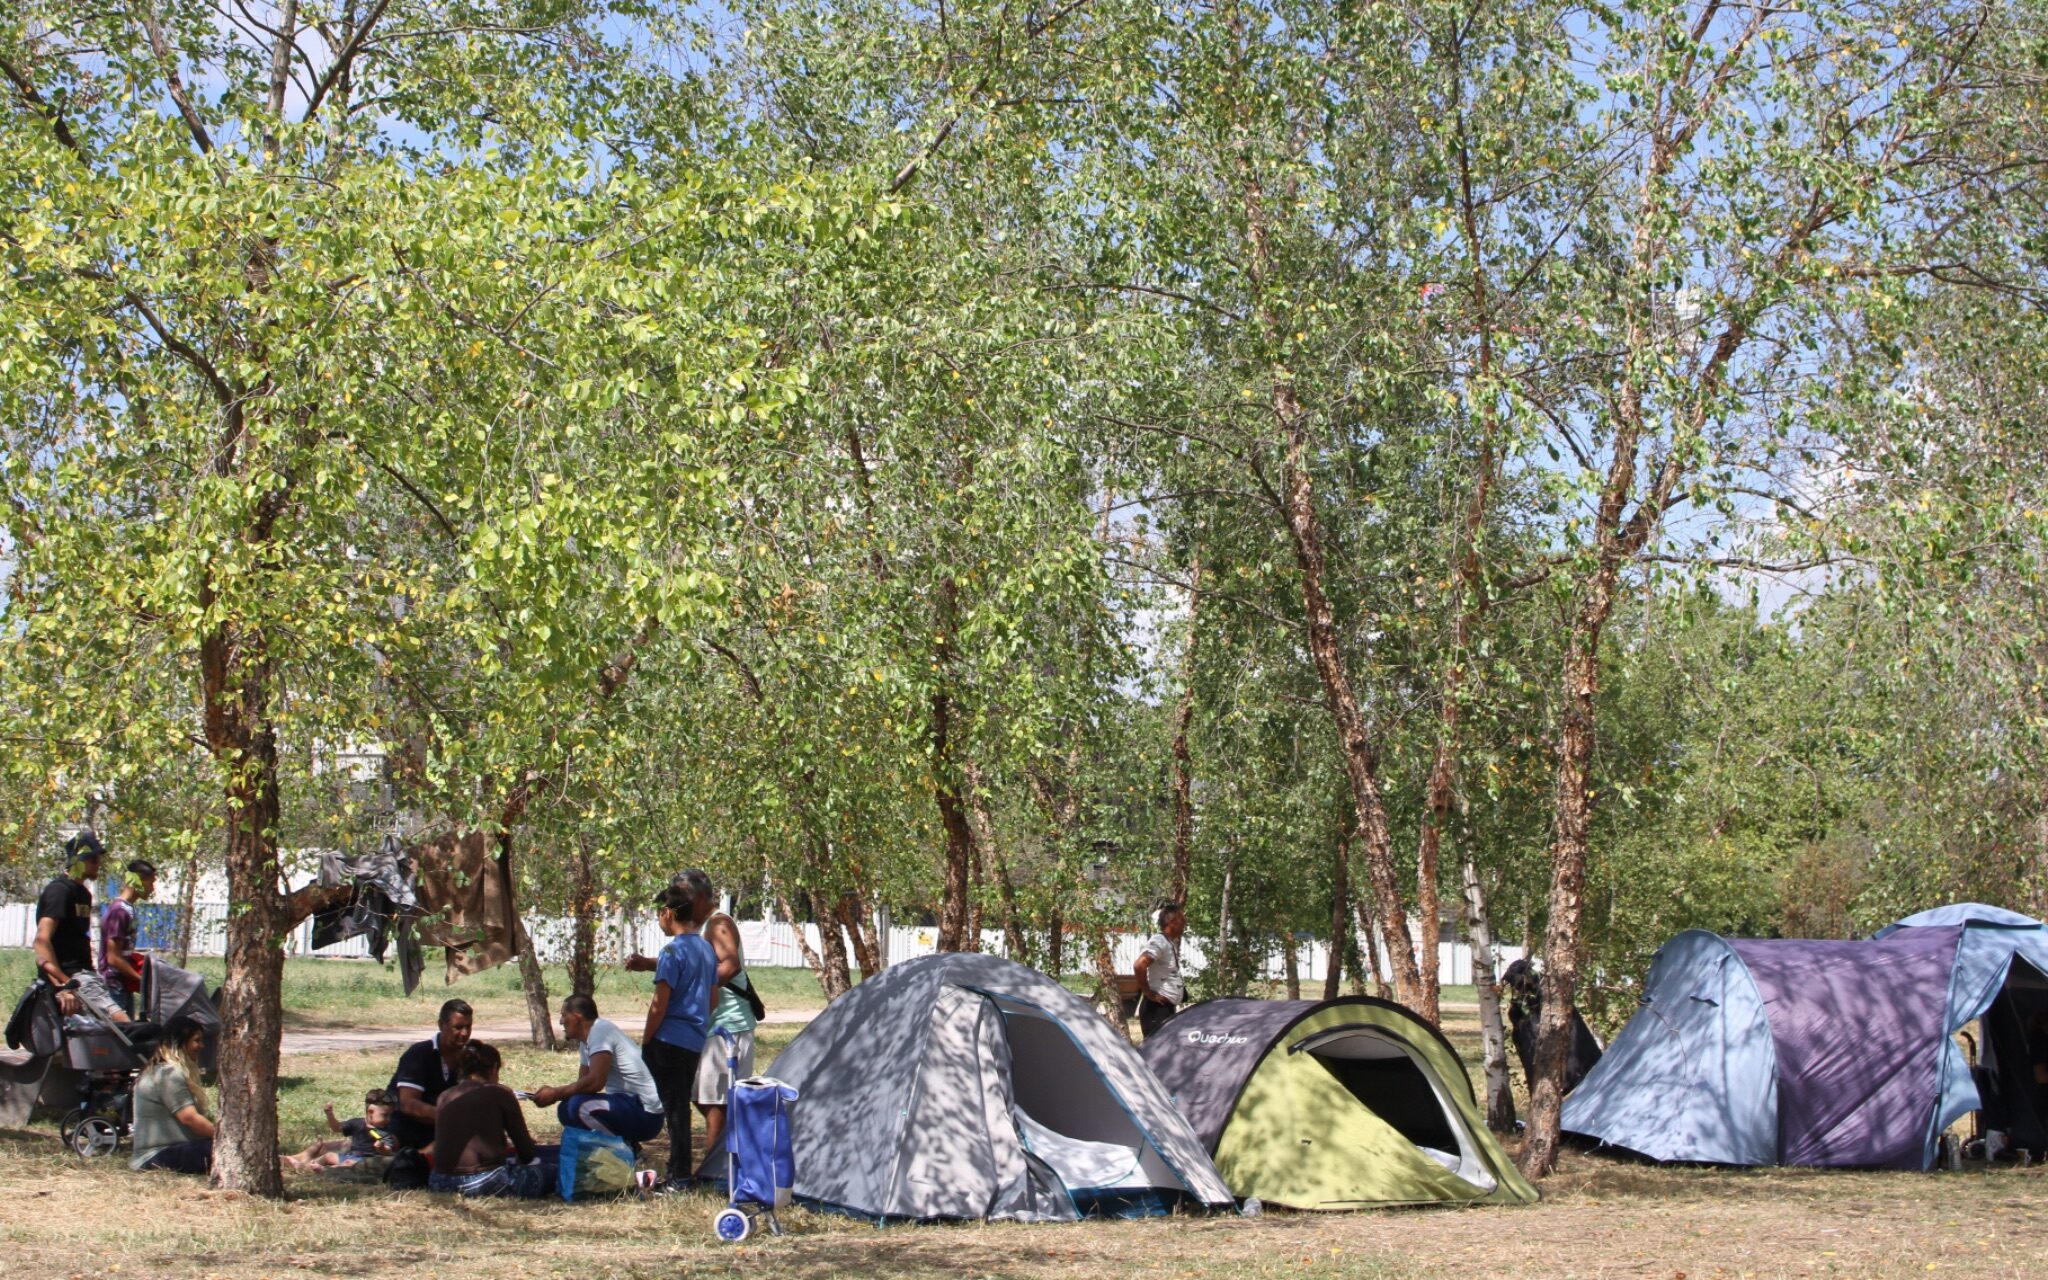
(85, 1066)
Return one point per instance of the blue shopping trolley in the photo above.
(760, 1162)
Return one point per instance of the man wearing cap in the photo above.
(120, 962)
(64, 932)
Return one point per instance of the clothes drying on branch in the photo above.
(466, 897)
(381, 893)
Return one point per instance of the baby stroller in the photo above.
(85, 1067)
(760, 1161)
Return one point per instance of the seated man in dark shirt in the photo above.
(424, 1073)
(63, 942)
(481, 1144)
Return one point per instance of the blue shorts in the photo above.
(619, 1114)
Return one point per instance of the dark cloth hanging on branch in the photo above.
(452, 892)
(381, 894)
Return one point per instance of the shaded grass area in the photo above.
(63, 1216)
(1601, 1217)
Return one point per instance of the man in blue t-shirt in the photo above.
(678, 1019)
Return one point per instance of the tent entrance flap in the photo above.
(1388, 1078)
(1069, 1116)
(2014, 1028)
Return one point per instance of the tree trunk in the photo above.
(1340, 916)
(532, 981)
(1573, 821)
(1304, 526)
(953, 912)
(948, 777)
(1290, 964)
(1183, 767)
(1016, 941)
(852, 916)
(1370, 948)
(1361, 760)
(1223, 932)
(1493, 1039)
(252, 997)
(583, 923)
(803, 946)
(188, 894)
(1436, 812)
(1055, 942)
(1106, 997)
(988, 856)
(837, 978)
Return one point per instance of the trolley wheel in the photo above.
(733, 1226)
(94, 1136)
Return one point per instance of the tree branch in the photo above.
(174, 84)
(344, 59)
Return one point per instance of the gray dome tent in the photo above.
(968, 1086)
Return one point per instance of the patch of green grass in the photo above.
(339, 994)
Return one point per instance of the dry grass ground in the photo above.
(61, 1217)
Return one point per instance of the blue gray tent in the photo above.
(1761, 1052)
(968, 1086)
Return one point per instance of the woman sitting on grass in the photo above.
(171, 1128)
(476, 1124)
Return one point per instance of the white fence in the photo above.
(768, 943)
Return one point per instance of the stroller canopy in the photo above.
(1841, 1054)
(1335, 1104)
(969, 1086)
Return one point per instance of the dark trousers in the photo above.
(675, 1078)
(195, 1156)
(1153, 1015)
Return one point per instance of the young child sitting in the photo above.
(367, 1135)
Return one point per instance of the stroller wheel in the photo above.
(733, 1226)
(94, 1136)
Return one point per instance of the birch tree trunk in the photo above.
(1493, 1040)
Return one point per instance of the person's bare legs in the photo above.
(319, 1155)
(714, 1128)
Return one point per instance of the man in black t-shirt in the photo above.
(425, 1072)
(64, 932)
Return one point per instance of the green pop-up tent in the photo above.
(1335, 1104)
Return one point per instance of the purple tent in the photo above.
(1812, 1053)
(1852, 1023)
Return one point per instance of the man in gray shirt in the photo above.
(615, 1093)
(1160, 989)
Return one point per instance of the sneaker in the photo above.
(675, 1186)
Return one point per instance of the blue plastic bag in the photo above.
(593, 1164)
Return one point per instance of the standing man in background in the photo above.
(734, 1012)
(120, 963)
(1160, 989)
